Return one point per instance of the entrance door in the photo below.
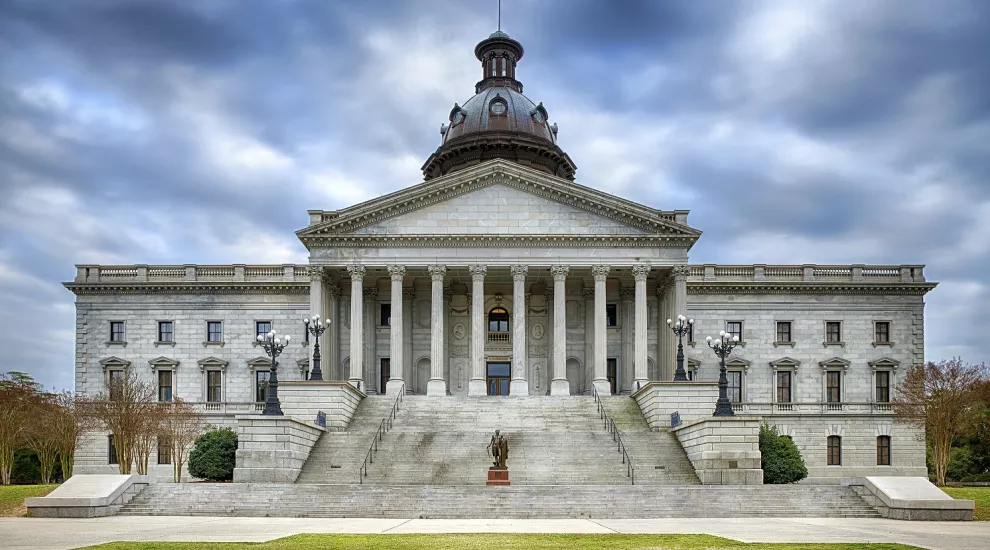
(610, 374)
(385, 374)
(498, 378)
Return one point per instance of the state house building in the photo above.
(500, 275)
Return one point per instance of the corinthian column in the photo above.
(395, 382)
(333, 333)
(600, 272)
(641, 377)
(477, 384)
(519, 385)
(559, 385)
(437, 385)
(357, 344)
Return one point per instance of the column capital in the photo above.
(627, 294)
(437, 272)
(519, 272)
(371, 292)
(681, 271)
(478, 272)
(641, 272)
(588, 293)
(315, 271)
(408, 293)
(599, 272)
(397, 272)
(559, 272)
(356, 271)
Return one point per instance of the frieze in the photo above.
(290, 288)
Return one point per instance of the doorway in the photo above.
(610, 373)
(498, 378)
(384, 374)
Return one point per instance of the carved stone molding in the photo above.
(437, 272)
(356, 271)
(408, 293)
(559, 272)
(371, 293)
(680, 271)
(397, 272)
(599, 272)
(588, 293)
(519, 272)
(478, 272)
(641, 272)
(458, 351)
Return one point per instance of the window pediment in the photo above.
(785, 363)
(737, 363)
(693, 362)
(259, 363)
(212, 363)
(834, 363)
(163, 363)
(885, 363)
(114, 362)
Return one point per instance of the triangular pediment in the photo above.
(499, 198)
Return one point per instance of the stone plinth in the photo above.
(723, 451)
(272, 449)
(498, 477)
(303, 400)
(693, 400)
(87, 496)
(910, 498)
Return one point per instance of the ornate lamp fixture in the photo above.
(681, 327)
(723, 347)
(316, 328)
(273, 347)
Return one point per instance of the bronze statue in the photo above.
(499, 449)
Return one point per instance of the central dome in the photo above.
(499, 121)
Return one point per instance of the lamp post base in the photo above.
(723, 408)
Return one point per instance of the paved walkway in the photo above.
(23, 533)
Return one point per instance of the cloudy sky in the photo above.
(200, 132)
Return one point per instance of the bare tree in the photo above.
(65, 429)
(18, 393)
(941, 398)
(40, 435)
(179, 427)
(122, 409)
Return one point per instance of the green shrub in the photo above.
(26, 469)
(213, 455)
(781, 460)
(982, 478)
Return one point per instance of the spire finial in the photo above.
(500, 15)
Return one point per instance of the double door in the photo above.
(499, 375)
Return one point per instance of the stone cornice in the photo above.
(189, 288)
(494, 173)
(500, 241)
(770, 287)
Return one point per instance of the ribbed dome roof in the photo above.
(521, 115)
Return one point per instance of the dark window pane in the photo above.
(784, 331)
(213, 379)
(833, 386)
(883, 387)
(214, 331)
(611, 315)
(498, 320)
(117, 331)
(882, 333)
(833, 332)
(262, 328)
(164, 385)
(165, 331)
(498, 369)
(260, 386)
(735, 386)
(883, 450)
(164, 450)
(784, 387)
(834, 450)
(111, 450)
(385, 317)
(734, 328)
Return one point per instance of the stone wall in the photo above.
(723, 451)
(303, 400)
(272, 449)
(692, 400)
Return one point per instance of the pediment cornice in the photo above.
(496, 172)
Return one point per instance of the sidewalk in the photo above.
(24, 533)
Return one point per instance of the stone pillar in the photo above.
(519, 385)
(437, 386)
(333, 314)
(666, 344)
(600, 272)
(448, 299)
(680, 291)
(357, 329)
(315, 308)
(626, 359)
(396, 345)
(407, 355)
(640, 376)
(559, 385)
(370, 339)
(477, 385)
(589, 338)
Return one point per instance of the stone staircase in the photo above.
(658, 457)
(552, 441)
(518, 501)
(337, 456)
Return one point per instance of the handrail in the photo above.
(616, 436)
(384, 426)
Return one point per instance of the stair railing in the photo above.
(383, 427)
(616, 437)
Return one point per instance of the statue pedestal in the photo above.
(498, 476)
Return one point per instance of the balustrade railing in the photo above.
(616, 437)
(383, 427)
(499, 337)
(812, 407)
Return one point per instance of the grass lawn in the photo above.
(12, 498)
(487, 541)
(980, 494)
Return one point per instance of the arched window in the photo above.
(498, 320)
(883, 450)
(834, 450)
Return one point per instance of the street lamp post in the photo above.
(316, 328)
(681, 327)
(723, 347)
(273, 347)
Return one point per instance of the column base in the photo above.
(519, 387)
(436, 388)
(477, 387)
(393, 385)
(603, 386)
(560, 387)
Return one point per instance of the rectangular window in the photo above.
(881, 332)
(734, 329)
(784, 386)
(164, 450)
(834, 450)
(214, 331)
(611, 315)
(165, 386)
(690, 334)
(213, 380)
(116, 331)
(111, 450)
(833, 386)
(883, 450)
(262, 328)
(735, 385)
(385, 315)
(883, 386)
(784, 332)
(260, 386)
(165, 331)
(115, 381)
(833, 332)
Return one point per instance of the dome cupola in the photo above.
(499, 121)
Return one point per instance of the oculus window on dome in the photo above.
(498, 107)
